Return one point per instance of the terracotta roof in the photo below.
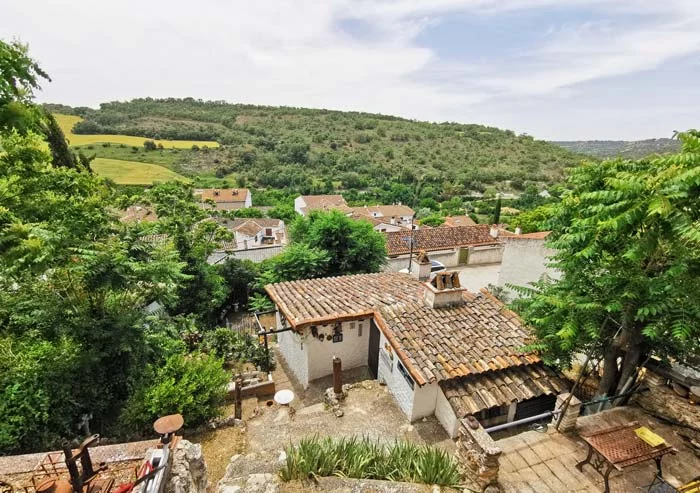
(432, 239)
(452, 221)
(137, 213)
(383, 210)
(323, 202)
(471, 394)
(225, 194)
(537, 235)
(248, 228)
(435, 344)
(479, 336)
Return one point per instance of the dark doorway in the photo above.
(373, 354)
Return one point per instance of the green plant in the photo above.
(363, 458)
(236, 347)
(193, 385)
(260, 303)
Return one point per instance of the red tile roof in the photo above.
(471, 394)
(432, 239)
(387, 211)
(454, 221)
(435, 344)
(323, 202)
(225, 194)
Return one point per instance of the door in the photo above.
(373, 354)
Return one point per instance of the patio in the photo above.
(545, 462)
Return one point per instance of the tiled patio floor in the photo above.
(545, 462)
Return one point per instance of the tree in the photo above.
(627, 238)
(533, 220)
(354, 247)
(434, 220)
(149, 145)
(497, 212)
(284, 212)
(19, 77)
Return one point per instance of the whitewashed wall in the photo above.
(424, 400)
(294, 351)
(524, 261)
(299, 204)
(397, 385)
(485, 254)
(446, 415)
(353, 351)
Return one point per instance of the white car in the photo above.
(435, 267)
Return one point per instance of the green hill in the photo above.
(632, 149)
(308, 150)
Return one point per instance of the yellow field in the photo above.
(132, 172)
(66, 123)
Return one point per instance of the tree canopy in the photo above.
(627, 237)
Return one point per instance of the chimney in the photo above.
(518, 230)
(494, 231)
(393, 220)
(421, 270)
(443, 290)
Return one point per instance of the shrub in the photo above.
(193, 385)
(362, 458)
(236, 347)
(149, 145)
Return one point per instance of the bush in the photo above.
(366, 459)
(149, 145)
(236, 347)
(193, 385)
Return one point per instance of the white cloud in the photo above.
(294, 53)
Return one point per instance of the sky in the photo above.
(554, 69)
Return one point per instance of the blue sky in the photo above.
(555, 69)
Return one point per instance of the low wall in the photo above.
(663, 400)
(478, 454)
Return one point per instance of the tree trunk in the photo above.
(633, 353)
(610, 371)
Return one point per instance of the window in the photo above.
(405, 374)
(359, 329)
(268, 231)
(352, 325)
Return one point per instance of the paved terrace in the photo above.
(545, 462)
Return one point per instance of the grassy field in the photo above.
(66, 123)
(132, 172)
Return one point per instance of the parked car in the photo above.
(436, 266)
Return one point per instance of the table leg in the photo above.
(587, 460)
(606, 477)
(658, 465)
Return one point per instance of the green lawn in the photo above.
(132, 172)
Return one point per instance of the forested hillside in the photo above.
(310, 150)
(631, 149)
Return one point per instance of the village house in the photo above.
(225, 199)
(385, 217)
(440, 349)
(257, 232)
(307, 203)
(459, 245)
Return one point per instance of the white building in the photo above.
(225, 198)
(304, 204)
(440, 349)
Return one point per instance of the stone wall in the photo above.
(479, 455)
(662, 400)
(524, 261)
(188, 471)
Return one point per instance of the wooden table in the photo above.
(620, 447)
